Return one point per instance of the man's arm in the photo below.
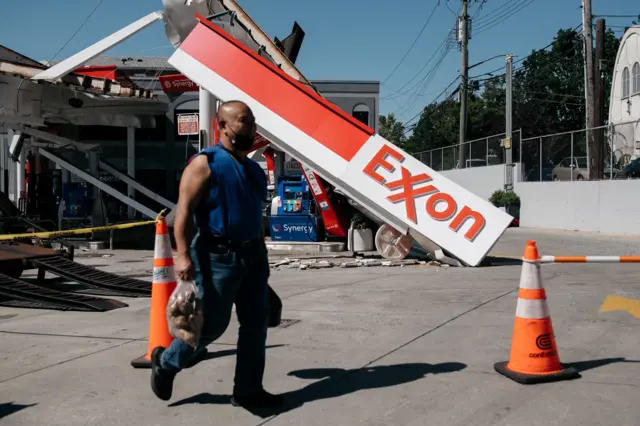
(193, 183)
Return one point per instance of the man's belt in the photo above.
(232, 245)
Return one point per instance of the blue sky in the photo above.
(352, 39)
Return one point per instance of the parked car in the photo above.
(534, 173)
(578, 169)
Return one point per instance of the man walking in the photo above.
(219, 236)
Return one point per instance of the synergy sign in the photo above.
(177, 83)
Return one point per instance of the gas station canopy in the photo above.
(77, 98)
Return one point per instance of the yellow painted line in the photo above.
(616, 303)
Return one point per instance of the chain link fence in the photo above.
(486, 151)
(564, 156)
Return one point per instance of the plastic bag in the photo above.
(184, 313)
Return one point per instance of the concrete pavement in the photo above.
(375, 346)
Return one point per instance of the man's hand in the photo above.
(184, 268)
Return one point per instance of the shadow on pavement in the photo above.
(336, 382)
(8, 408)
(501, 261)
(223, 353)
(596, 363)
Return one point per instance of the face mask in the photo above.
(243, 142)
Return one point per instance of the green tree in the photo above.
(392, 130)
(548, 97)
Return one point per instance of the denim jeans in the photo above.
(224, 277)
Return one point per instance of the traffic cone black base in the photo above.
(569, 373)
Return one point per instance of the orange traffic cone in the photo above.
(534, 355)
(164, 282)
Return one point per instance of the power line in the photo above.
(427, 81)
(434, 101)
(77, 31)
(395, 91)
(495, 11)
(503, 17)
(414, 42)
(438, 53)
(525, 58)
(478, 10)
(573, 47)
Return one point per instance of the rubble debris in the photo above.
(400, 263)
(320, 265)
(359, 262)
(285, 261)
(352, 264)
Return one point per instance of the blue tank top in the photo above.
(233, 206)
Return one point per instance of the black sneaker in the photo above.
(261, 399)
(161, 380)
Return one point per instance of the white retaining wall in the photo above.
(608, 206)
(482, 181)
(611, 207)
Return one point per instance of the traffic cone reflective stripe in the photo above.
(164, 282)
(534, 355)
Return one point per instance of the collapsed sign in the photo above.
(422, 201)
(380, 177)
(188, 124)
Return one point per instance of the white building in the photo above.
(624, 106)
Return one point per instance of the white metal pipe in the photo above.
(4, 147)
(73, 62)
(207, 108)
(136, 185)
(20, 173)
(131, 166)
(99, 184)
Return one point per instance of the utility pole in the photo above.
(588, 92)
(463, 38)
(508, 123)
(599, 99)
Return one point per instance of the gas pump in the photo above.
(293, 215)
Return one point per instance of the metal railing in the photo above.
(487, 151)
(563, 156)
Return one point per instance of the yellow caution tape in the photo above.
(57, 234)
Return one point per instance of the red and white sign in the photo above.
(188, 124)
(177, 83)
(382, 178)
(426, 202)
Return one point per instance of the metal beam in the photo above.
(98, 184)
(263, 39)
(137, 185)
(55, 139)
(76, 61)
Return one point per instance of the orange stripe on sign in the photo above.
(159, 263)
(532, 294)
(273, 88)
